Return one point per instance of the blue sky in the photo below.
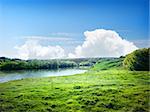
(71, 18)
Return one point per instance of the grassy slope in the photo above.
(108, 90)
(107, 64)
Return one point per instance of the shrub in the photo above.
(137, 60)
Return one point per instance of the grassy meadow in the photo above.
(105, 87)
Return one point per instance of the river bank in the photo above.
(109, 90)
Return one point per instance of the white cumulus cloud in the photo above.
(33, 50)
(97, 43)
(102, 43)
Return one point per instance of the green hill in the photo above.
(108, 63)
(138, 60)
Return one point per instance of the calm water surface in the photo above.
(15, 75)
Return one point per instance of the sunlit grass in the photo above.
(110, 90)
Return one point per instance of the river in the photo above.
(6, 76)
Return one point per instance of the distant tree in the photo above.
(3, 58)
(86, 63)
(122, 57)
(137, 60)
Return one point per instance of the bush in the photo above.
(137, 60)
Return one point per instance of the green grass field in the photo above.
(107, 90)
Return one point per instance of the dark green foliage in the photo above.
(138, 60)
(86, 64)
(18, 64)
(64, 64)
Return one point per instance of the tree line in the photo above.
(18, 64)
